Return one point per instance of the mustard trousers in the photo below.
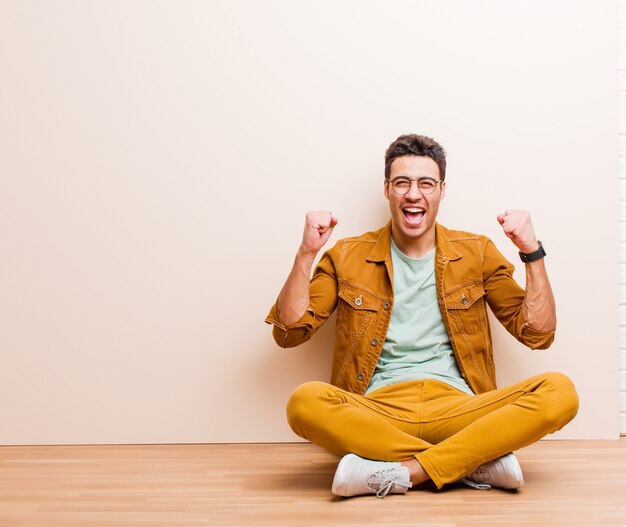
(449, 432)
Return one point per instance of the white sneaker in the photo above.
(356, 475)
(504, 473)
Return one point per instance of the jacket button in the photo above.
(374, 342)
(464, 300)
(387, 305)
(360, 376)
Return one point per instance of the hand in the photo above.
(518, 226)
(317, 229)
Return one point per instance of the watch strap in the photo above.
(535, 255)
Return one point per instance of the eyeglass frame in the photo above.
(391, 182)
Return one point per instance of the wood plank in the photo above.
(568, 483)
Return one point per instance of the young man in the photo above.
(413, 395)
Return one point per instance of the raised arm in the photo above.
(293, 299)
(538, 308)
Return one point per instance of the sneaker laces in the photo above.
(475, 485)
(384, 481)
(476, 479)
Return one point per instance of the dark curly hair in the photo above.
(416, 145)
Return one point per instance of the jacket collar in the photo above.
(445, 249)
(381, 252)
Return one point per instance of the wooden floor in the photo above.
(568, 483)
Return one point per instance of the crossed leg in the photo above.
(449, 433)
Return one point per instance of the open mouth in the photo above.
(413, 215)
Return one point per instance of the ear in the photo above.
(443, 190)
(386, 188)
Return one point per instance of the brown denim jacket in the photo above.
(356, 276)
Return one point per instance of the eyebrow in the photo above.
(407, 177)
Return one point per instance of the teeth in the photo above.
(413, 209)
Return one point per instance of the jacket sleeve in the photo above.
(505, 298)
(322, 303)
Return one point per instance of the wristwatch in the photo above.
(535, 255)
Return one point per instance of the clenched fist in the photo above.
(317, 229)
(518, 226)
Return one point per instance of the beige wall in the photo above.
(157, 159)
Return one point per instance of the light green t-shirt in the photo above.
(417, 345)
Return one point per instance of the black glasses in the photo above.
(401, 185)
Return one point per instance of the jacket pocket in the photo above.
(356, 309)
(466, 307)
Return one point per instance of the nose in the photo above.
(414, 192)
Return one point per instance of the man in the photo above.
(413, 395)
